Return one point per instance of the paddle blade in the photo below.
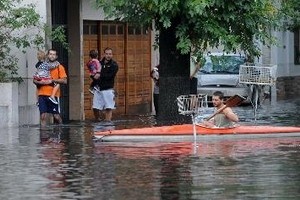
(234, 100)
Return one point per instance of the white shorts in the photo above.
(104, 99)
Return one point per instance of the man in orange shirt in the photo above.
(45, 88)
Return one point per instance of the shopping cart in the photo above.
(257, 76)
(192, 105)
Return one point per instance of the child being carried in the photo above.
(94, 68)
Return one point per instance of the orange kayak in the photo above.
(186, 131)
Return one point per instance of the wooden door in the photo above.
(90, 42)
(132, 51)
(138, 67)
(112, 36)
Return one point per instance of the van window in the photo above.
(224, 64)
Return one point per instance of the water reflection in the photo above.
(284, 112)
(67, 154)
(256, 168)
(65, 162)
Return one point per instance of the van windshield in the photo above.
(222, 64)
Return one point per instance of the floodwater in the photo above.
(67, 163)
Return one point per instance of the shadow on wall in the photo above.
(288, 87)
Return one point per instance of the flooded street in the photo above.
(67, 163)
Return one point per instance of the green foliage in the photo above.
(234, 25)
(291, 14)
(19, 26)
(57, 34)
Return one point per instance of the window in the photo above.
(90, 28)
(112, 29)
(145, 31)
(104, 29)
(86, 29)
(94, 29)
(120, 29)
(137, 30)
(222, 64)
(130, 30)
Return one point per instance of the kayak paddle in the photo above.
(231, 102)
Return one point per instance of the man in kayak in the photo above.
(225, 118)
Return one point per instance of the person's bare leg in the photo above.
(57, 118)
(97, 114)
(43, 119)
(54, 91)
(208, 124)
(108, 114)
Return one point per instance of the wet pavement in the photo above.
(65, 162)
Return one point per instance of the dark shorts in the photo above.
(46, 106)
(193, 85)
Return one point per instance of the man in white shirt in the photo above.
(155, 76)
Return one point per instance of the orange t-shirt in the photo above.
(56, 73)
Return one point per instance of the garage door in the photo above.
(132, 51)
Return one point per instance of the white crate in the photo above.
(191, 104)
(258, 74)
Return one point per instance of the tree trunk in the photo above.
(174, 71)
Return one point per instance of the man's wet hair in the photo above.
(107, 48)
(93, 54)
(56, 52)
(219, 94)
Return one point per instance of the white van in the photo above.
(221, 73)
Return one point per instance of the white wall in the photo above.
(9, 105)
(90, 12)
(28, 111)
(283, 55)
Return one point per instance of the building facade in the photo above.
(88, 29)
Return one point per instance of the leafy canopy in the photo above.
(236, 25)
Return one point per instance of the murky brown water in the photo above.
(66, 163)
